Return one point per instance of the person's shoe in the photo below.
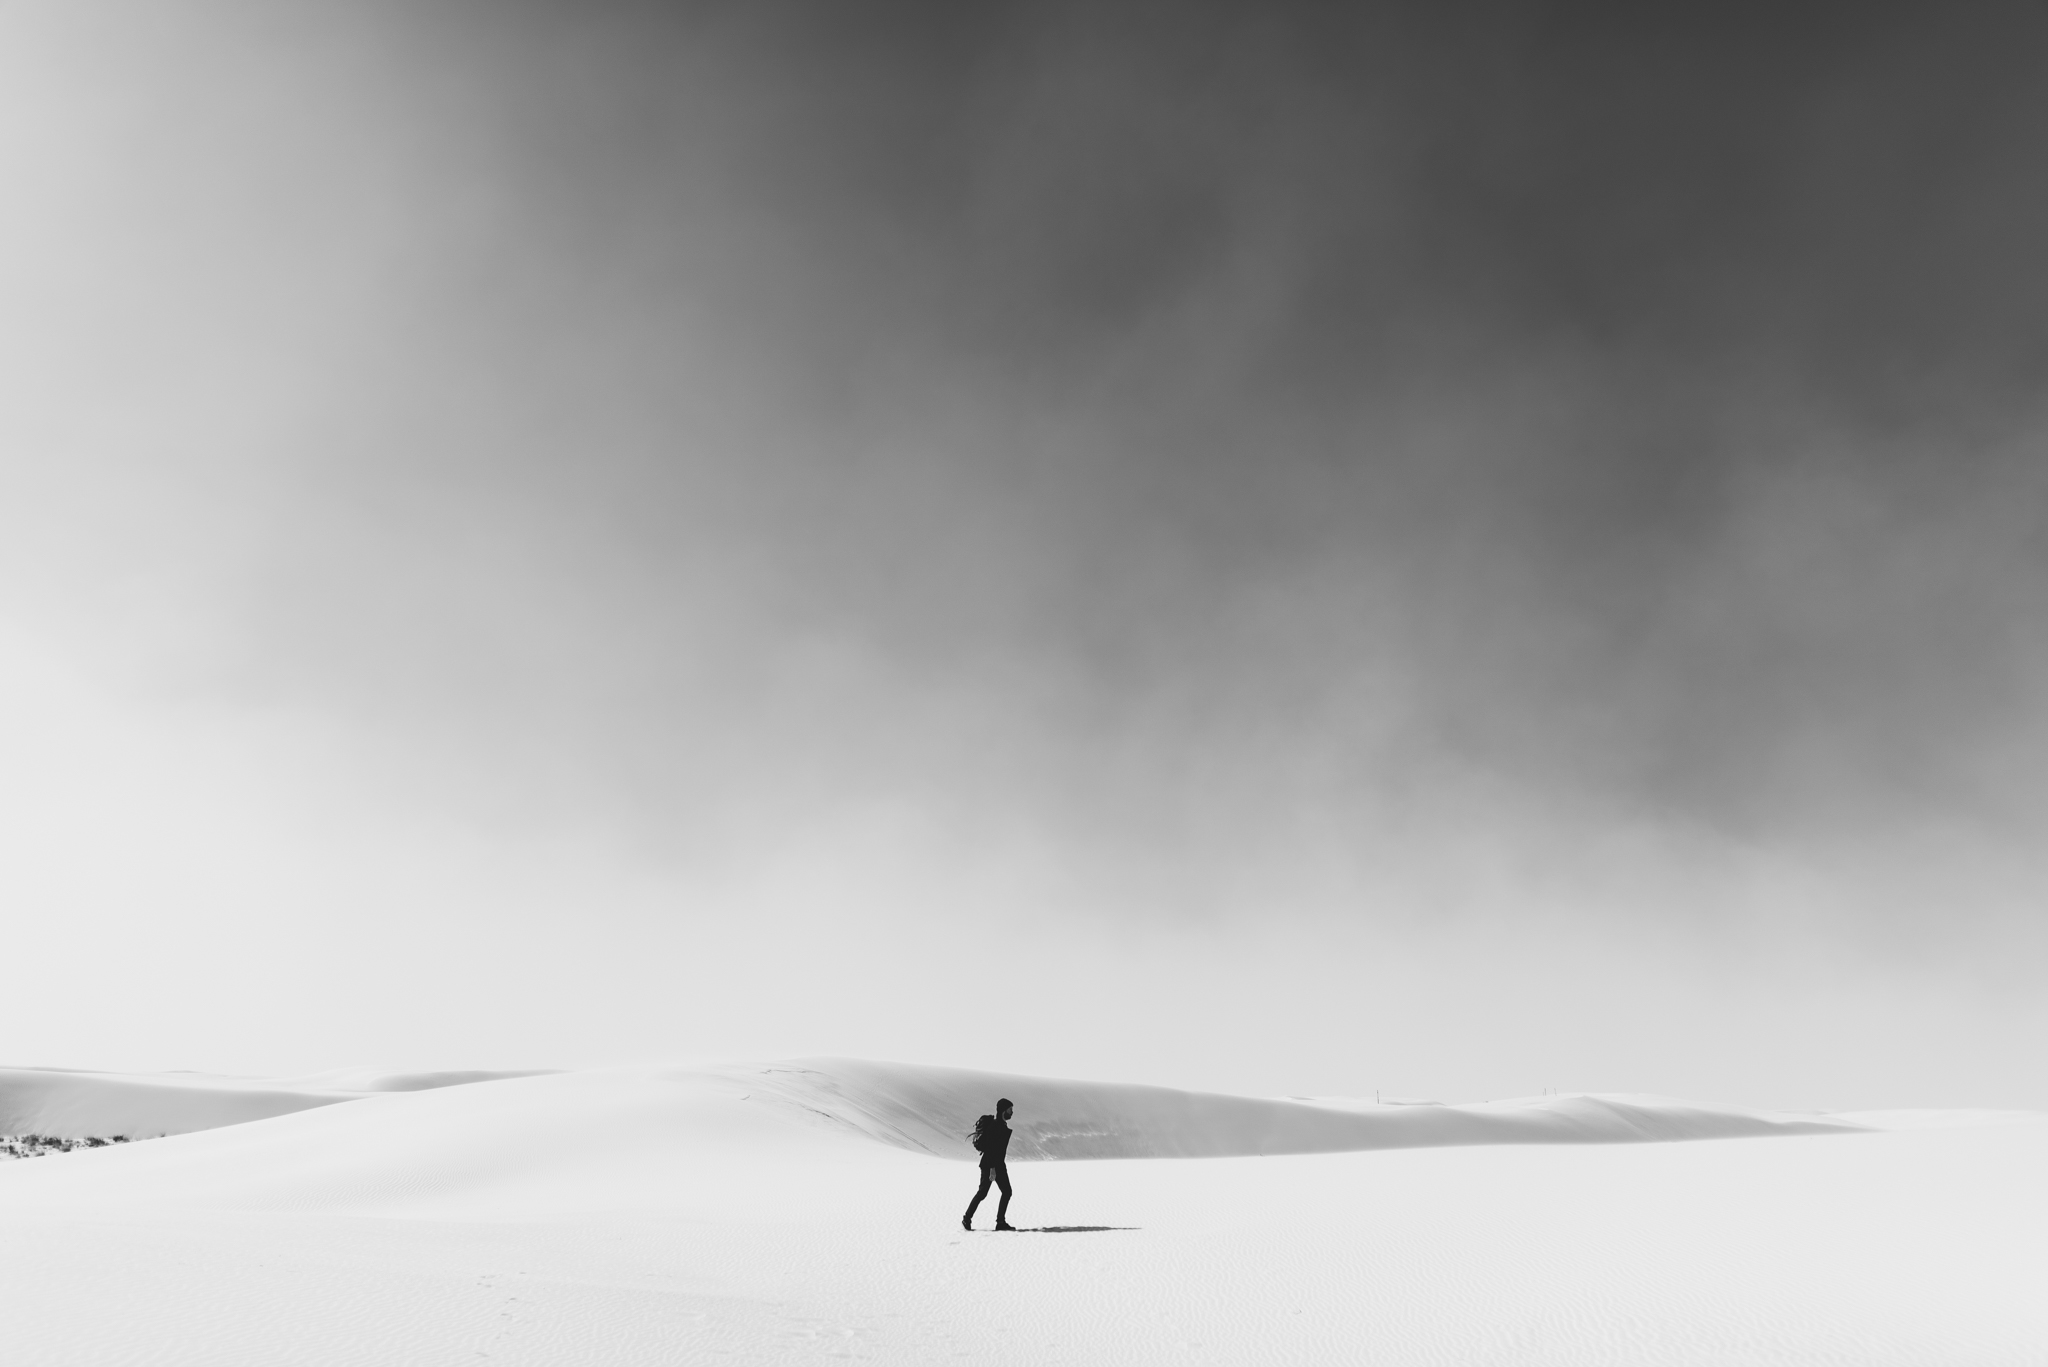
(1011, 1228)
(967, 1222)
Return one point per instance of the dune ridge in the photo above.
(70, 1103)
(928, 1109)
(932, 1110)
(649, 1137)
(75, 1105)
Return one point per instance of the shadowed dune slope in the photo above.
(74, 1104)
(933, 1110)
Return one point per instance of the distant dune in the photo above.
(654, 1137)
(924, 1109)
(933, 1109)
(73, 1104)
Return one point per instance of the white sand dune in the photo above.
(70, 1104)
(932, 1110)
(746, 1213)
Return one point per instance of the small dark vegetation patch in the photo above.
(36, 1145)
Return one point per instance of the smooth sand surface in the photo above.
(749, 1214)
(72, 1104)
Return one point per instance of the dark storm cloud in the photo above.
(1194, 418)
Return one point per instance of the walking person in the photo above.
(992, 1141)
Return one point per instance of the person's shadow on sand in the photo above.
(1066, 1229)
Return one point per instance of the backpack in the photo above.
(983, 1128)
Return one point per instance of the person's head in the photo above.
(1003, 1108)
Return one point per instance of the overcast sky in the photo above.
(1449, 549)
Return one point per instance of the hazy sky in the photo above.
(1450, 549)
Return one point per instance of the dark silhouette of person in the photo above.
(992, 1139)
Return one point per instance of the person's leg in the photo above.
(1001, 1172)
(975, 1204)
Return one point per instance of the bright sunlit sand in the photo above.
(809, 1211)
